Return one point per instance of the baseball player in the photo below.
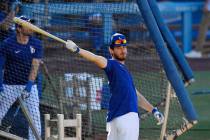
(122, 118)
(22, 54)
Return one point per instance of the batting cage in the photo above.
(48, 92)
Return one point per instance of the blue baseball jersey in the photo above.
(124, 97)
(18, 59)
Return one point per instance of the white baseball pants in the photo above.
(125, 127)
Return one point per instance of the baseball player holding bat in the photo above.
(122, 118)
(22, 54)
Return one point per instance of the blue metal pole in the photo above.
(107, 28)
(187, 31)
(171, 42)
(169, 66)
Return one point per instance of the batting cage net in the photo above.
(68, 84)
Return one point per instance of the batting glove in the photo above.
(26, 92)
(29, 86)
(72, 46)
(158, 116)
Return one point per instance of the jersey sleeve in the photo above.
(109, 66)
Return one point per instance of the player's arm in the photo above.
(100, 61)
(34, 69)
(33, 74)
(36, 61)
(143, 103)
(7, 22)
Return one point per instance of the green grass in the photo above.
(202, 104)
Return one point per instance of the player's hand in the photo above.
(158, 116)
(29, 86)
(72, 46)
(26, 92)
(15, 6)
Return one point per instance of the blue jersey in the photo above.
(18, 59)
(124, 97)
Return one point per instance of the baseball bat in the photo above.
(28, 117)
(36, 29)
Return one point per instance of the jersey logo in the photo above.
(121, 65)
(17, 51)
(32, 49)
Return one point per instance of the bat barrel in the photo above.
(36, 29)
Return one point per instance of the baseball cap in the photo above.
(25, 19)
(118, 40)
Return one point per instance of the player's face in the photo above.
(119, 53)
(26, 32)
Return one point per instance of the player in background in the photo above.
(8, 11)
(22, 54)
(199, 50)
(122, 118)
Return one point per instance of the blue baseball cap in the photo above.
(25, 19)
(118, 40)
